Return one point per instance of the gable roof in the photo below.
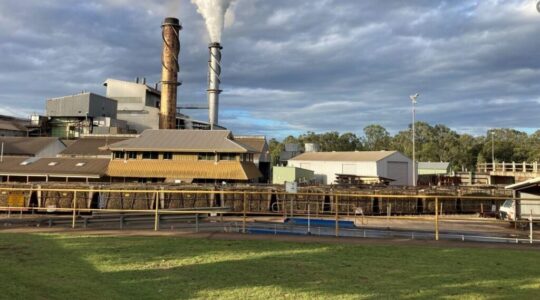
(182, 141)
(257, 143)
(524, 184)
(12, 124)
(344, 156)
(26, 146)
(91, 146)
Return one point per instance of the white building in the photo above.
(326, 165)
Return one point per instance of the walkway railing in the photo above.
(349, 214)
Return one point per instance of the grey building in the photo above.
(85, 113)
(139, 106)
(138, 103)
(85, 105)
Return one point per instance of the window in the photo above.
(132, 155)
(150, 155)
(119, 155)
(207, 156)
(167, 155)
(227, 156)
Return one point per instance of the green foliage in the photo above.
(169, 267)
(433, 143)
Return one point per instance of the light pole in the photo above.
(413, 101)
(493, 151)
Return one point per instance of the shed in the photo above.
(433, 168)
(291, 174)
(327, 165)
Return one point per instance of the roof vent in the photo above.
(81, 164)
(53, 163)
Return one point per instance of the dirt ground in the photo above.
(281, 238)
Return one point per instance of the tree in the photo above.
(376, 138)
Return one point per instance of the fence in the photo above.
(336, 213)
(522, 167)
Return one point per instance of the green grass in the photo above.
(39, 266)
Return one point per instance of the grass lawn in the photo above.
(54, 266)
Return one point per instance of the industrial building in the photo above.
(280, 175)
(183, 156)
(85, 113)
(384, 164)
(261, 157)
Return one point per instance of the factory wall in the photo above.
(140, 120)
(82, 105)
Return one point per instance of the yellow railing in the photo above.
(337, 205)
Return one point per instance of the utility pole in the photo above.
(493, 151)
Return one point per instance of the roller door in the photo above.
(399, 171)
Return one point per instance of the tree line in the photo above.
(433, 143)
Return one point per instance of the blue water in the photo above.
(320, 222)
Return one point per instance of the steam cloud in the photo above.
(214, 13)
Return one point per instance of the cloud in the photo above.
(292, 66)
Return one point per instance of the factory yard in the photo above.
(128, 265)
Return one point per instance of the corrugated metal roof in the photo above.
(433, 165)
(182, 141)
(344, 156)
(91, 146)
(26, 146)
(523, 184)
(231, 170)
(255, 142)
(93, 167)
(12, 125)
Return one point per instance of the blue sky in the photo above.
(292, 66)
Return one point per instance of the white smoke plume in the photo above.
(214, 13)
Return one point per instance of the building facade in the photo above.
(384, 164)
(180, 156)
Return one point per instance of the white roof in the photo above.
(344, 156)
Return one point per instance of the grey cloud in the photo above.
(291, 66)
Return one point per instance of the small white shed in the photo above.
(388, 164)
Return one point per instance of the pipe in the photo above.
(214, 80)
(169, 72)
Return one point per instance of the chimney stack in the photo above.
(169, 72)
(214, 79)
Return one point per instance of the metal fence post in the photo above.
(308, 219)
(244, 217)
(531, 228)
(436, 219)
(74, 209)
(156, 216)
(337, 213)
